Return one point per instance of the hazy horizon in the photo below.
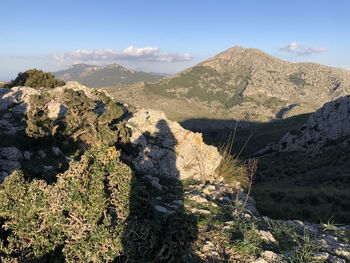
(166, 38)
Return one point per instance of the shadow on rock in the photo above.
(158, 227)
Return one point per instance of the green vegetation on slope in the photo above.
(35, 78)
(80, 218)
(291, 185)
(95, 76)
(204, 84)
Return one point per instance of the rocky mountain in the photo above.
(79, 174)
(104, 76)
(329, 123)
(249, 84)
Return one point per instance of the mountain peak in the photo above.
(82, 65)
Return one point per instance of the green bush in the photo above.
(81, 122)
(35, 78)
(80, 218)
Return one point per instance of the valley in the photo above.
(260, 116)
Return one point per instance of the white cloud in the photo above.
(131, 54)
(301, 50)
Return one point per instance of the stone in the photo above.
(321, 256)
(56, 151)
(267, 236)
(260, 260)
(200, 211)
(9, 166)
(333, 259)
(343, 252)
(208, 246)
(42, 154)
(26, 155)
(198, 199)
(56, 110)
(11, 154)
(271, 257)
(169, 150)
(162, 209)
(156, 185)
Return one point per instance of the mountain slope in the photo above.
(328, 124)
(96, 76)
(249, 84)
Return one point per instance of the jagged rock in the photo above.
(330, 122)
(168, 149)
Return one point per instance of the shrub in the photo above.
(35, 78)
(81, 121)
(80, 218)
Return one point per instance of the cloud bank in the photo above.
(129, 54)
(301, 50)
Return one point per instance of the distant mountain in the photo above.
(2, 83)
(252, 85)
(110, 75)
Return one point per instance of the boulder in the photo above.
(167, 149)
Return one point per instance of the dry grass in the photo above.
(234, 171)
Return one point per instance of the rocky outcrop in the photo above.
(168, 149)
(329, 123)
(68, 118)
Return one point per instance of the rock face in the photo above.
(168, 149)
(63, 117)
(331, 122)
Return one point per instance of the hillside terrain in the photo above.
(2, 83)
(103, 76)
(83, 179)
(303, 169)
(244, 84)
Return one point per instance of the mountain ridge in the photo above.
(102, 76)
(240, 82)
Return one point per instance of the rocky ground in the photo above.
(176, 181)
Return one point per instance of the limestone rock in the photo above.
(331, 122)
(168, 149)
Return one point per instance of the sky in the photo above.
(168, 36)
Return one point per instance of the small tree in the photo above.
(35, 78)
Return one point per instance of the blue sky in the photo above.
(168, 36)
